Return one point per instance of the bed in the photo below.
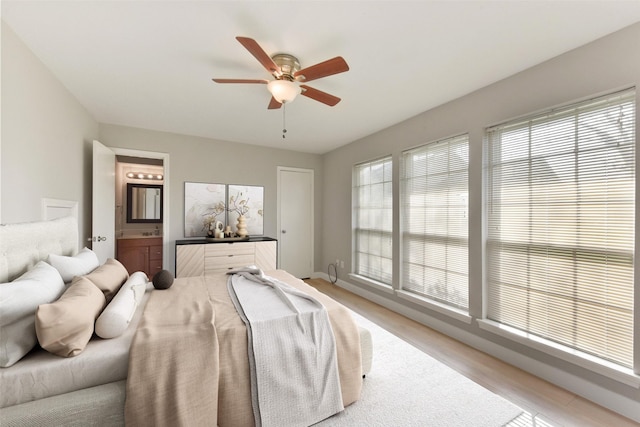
(91, 388)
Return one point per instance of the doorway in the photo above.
(295, 221)
(104, 199)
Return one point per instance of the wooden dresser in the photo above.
(199, 257)
(141, 254)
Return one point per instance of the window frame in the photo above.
(357, 274)
(629, 376)
(458, 312)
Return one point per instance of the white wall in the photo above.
(605, 65)
(46, 135)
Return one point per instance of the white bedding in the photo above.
(41, 374)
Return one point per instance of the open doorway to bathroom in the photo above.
(139, 213)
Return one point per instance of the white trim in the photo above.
(435, 306)
(373, 283)
(57, 208)
(166, 205)
(595, 364)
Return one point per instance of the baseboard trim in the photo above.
(618, 403)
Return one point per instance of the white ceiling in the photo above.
(149, 63)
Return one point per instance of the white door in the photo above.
(295, 221)
(103, 216)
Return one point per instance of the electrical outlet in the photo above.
(341, 264)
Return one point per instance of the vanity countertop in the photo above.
(139, 236)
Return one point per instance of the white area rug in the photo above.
(406, 387)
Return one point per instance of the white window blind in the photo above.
(434, 211)
(561, 225)
(373, 220)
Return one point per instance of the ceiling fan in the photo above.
(288, 75)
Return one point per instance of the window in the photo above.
(560, 238)
(373, 220)
(434, 211)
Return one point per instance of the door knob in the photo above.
(284, 231)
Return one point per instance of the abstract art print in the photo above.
(247, 200)
(204, 205)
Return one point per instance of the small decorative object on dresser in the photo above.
(242, 226)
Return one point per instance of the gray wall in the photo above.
(194, 159)
(46, 135)
(605, 65)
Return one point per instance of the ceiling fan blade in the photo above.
(254, 48)
(273, 104)
(240, 81)
(319, 95)
(327, 68)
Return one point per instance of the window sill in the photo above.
(594, 364)
(371, 283)
(435, 306)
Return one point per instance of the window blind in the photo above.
(561, 225)
(434, 211)
(373, 220)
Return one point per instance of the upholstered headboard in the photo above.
(23, 245)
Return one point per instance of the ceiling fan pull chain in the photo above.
(284, 126)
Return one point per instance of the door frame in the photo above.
(165, 194)
(310, 172)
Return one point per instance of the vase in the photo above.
(242, 226)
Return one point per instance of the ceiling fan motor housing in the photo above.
(288, 64)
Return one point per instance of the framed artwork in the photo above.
(204, 205)
(248, 201)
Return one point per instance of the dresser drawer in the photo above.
(224, 249)
(227, 262)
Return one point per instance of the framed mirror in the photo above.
(144, 203)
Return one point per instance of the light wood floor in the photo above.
(545, 404)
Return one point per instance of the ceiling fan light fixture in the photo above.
(284, 91)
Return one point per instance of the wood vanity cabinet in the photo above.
(198, 258)
(141, 254)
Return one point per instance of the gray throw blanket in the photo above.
(292, 351)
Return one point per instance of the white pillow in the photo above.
(19, 300)
(117, 315)
(84, 262)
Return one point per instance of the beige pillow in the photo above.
(109, 277)
(65, 326)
